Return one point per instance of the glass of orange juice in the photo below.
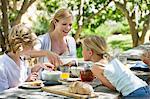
(65, 72)
(64, 75)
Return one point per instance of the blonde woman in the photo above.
(110, 71)
(57, 39)
(13, 67)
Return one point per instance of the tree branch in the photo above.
(122, 7)
(2, 40)
(147, 2)
(23, 9)
(90, 17)
(31, 2)
(145, 26)
(125, 2)
(9, 6)
(133, 15)
(14, 5)
(80, 20)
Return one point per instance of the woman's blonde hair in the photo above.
(60, 14)
(19, 36)
(97, 44)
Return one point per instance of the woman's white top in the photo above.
(11, 75)
(45, 44)
(122, 78)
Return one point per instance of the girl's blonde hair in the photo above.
(19, 36)
(97, 44)
(60, 14)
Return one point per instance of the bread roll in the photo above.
(35, 83)
(81, 88)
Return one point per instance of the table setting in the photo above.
(54, 84)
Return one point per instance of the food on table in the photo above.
(65, 75)
(81, 88)
(35, 83)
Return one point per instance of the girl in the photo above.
(110, 71)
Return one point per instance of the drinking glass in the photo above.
(86, 75)
(65, 72)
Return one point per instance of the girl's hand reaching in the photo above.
(32, 77)
(48, 66)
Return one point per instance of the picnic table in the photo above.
(136, 52)
(102, 91)
(44, 93)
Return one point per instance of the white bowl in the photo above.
(51, 75)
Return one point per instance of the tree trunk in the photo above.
(80, 21)
(2, 42)
(137, 39)
(133, 31)
(77, 35)
(145, 28)
(4, 24)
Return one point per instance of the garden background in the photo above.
(124, 23)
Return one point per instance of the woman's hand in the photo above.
(32, 77)
(47, 66)
(54, 59)
(146, 58)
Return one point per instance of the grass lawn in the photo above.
(123, 42)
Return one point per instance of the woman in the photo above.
(110, 71)
(13, 67)
(57, 40)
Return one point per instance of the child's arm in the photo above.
(32, 77)
(98, 72)
(52, 57)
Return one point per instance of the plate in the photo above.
(52, 83)
(73, 79)
(27, 85)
